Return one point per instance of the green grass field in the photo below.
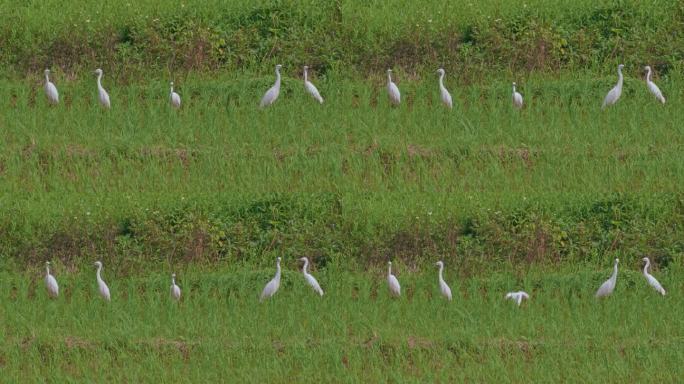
(541, 199)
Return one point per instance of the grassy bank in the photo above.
(351, 37)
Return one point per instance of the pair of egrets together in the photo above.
(607, 288)
(53, 287)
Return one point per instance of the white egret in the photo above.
(272, 287)
(652, 280)
(392, 89)
(394, 287)
(174, 98)
(652, 87)
(443, 287)
(50, 89)
(609, 285)
(614, 94)
(102, 94)
(446, 96)
(517, 98)
(175, 289)
(517, 296)
(104, 289)
(310, 87)
(50, 282)
(272, 94)
(309, 278)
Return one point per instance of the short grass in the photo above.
(355, 333)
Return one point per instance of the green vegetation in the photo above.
(540, 199)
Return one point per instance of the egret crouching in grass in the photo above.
(443, 287)
(309, 278)
(392, 89)
(104, 289)
(517, 98)
(175, 289)
(50, 282)
(174, 98)
(310, 87)
(517, 296)
(272, 94)
(394, 287)
(50, 89)
(606, 289)
(614, 94)
(272, 287)
(444, 94)
(652, 280)
(652, 87)
(101, 93)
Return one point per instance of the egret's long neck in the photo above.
(441, 268)
(389, 77)
(172, 89)
(306, 262)
(47, 269)
(441, 80)
(648, 75)
(277, 76)
(277, 275)
(648, 264)
(513, 88)
(389, 270)
(620, 76)
(47, 78)
(614, 276)
(173, 280)
(99, 83)
(99, 268)
(306, 78)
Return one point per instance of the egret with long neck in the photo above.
(392, 90)
(50, 89)
(313, 91)
(606, 289)
(103, 96)
(652, 87)
(517, 98)
(272, 287)
(175, 289)
(444, 93)
(104, 289)
(50, 282)
(392, 281)
(443, 287)
(272, 94)
(615, 93)
(309, 278)
(174, 98)
(652, 280)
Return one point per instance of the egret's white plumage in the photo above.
(609, 285)
(50, 89)
(175, 289)
(444, 94)
(309, 278)
(272, 287)
(272, 94)
(101, 92)
(517, 296)
(50, 282)
(104, 289)
(443, 287)
(174, 98)
(394, 287)
(517, 98)
(310, 87)
(652, 280)
(392, 89)
(652, 87)
(614, 94)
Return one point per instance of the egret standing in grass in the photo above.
(174, 98)
(614, 94)
(394, 287)
(392, 89)
(606, 289)
(309, 278)
(443, 287)
(50, 282)
(652, 280)
(517, 296)
(517, 98)
(310, 87)
(175, 289)
(104, 289)
(444, 94)
(50, 89)
(101, 93)
(272, 287)
(652, 87)
(272, 94)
